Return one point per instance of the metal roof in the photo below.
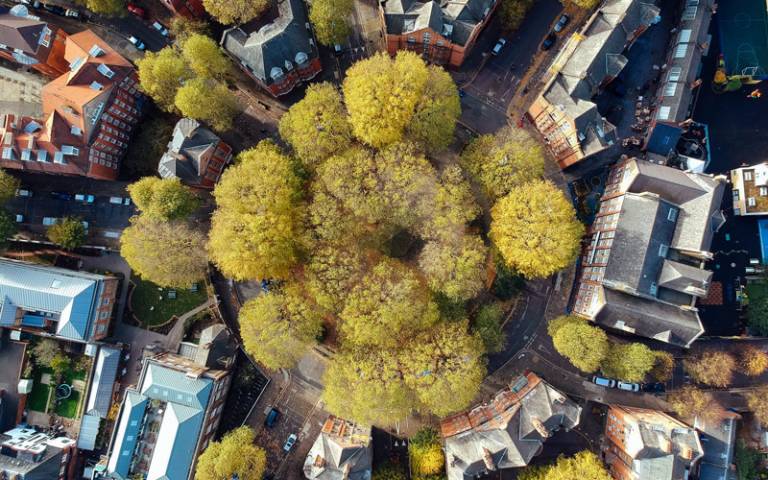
(89, 430)
(103, 382)
(162, 383)
(130, 423)
(176, 442)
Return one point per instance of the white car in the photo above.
(499, 45)
(604, 382)
(23, 193)
(137, 43)
(160, 28)
(290, 442)
(629, 387)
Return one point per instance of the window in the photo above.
(674, 74)
(69, 150)
(653, 289)
(76, 130)
(96, 51)
(105, 302)
(8, 153)
(76, 63)
(103, 315)
(664, 113)
(763, 191)
(105, 70)
(681, 50)
(748, 175)
(751, 202)
(670, 88)
(96, 86)
(672, 214)
(663, 250)
(685, 36)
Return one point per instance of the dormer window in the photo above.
(75, 131)
(105, 70)
(69, 150)
(96, 86)
(76, 63)
(672, 214)
(96, 51)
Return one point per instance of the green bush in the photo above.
(488, 326)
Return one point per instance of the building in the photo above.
(718, 439)
(27, 454)
(276, 49)
(214, 349)
(29, 41)
(564, 113)
(442, 31)
(641, 270)
(101, 392)
(168, 420)
(89, 113)
(195, 155)
(508, 431)
(644, 444)
(186, 8)
(50, 301)
(750, 190)
(342, 451)
(680, 77)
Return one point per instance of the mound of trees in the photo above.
(68, 232)
(234, 456)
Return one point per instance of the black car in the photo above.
(652, 387)
(55, 9)
(548, 42)
(272, 417)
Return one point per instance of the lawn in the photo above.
(68, 408)
(151, 311)
(757, 310)
(38, 399)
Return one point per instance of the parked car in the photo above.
(61, 196)
(272, 417)
(561, 23)
(653, 387)
(290, 442)
(549, 42)
(48, 221)
(116, 200)
(604, 382)
(136, 10)
(137, 43)
(23, 192)
(19, 218)
(499, 45)
(629, 387)
(82, 197)
(55, 9)
(72, 13)
(160, 28)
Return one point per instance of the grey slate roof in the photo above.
(103, 382)
(339, 455)
(718, 439)
(684, 278)
(190, 146)
(279, 45)
(460, 16)
(21, 33)
(89, 430)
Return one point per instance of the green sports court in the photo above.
(743, 28)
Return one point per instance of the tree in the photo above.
(513, 12)
(434, 119)
(257, 221)
(536, 230)
(8, 186)
(316, 127)
(584, 345)
(510, 158)
(585, 4)
(690, 400)
(386, 307)
(584, 465)
(757, 401)
(457, 270)
(367, 386)
(182, 28)
(444, 367)
(487, 326)
(664, 366)
(235, 456)
(231, 12)
(332, 272)
(44, 351)
(59, 364)
(163, 199)
(452, 207)
(757, 313)
(389, 471)
(69, 233)
(7, 228)
(161, 74)
(279, 328)
(330, 20)
(426, 453)
(748, 461)
(148, 144)
(754, 361)
(111, 8)
(204, 57)
(207, 100)
(711, 367)
(630, 362)
(170, 254)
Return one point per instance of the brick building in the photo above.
(30, 41)
(186, 8)
(195, 155)
(343, 450)
(277, 50)
(89, 113)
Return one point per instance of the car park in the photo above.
(499, 45)
(561, 23)
(136, 10)
(160, 28)
(137, 43)
(604, 382)
(290, 442)
(629, 387)
(549, 42)
(272, 417)
(22, 192)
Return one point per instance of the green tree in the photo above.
(387, 307)
(330, 20)
(754, 361)
(434, 119)
(711, 367)
(584, 465)
(757, 402)
(161, 74)
(280, 327)
(513, 12)
(148, 144)
(7, 228)
(585, 4)
(316, 127)
(536, 230)
(205, 58)
(630, 362)
(389, 471)
(487, 326)
(748, 461)
(457, 270)
(236, 455)
(231, 12)
(110, 8)
(692, 401)
(44, 351)
(426, 453)
(59, 364)
(69, 233)
(169, 254)
(207, 100)
(163, 199)
(257, 220)
(510, 158)
(444, 367)
(8, 186)
(584, 345)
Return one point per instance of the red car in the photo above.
(137, 10)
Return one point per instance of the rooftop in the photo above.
(342, 450)
(455, 20)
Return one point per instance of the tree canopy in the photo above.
(690, 400)
(7, 228)
(231, 12)
(711, 367)
(68, 232)
(207, 100)
(426, 454)
(110, 8)
(330, 19)
(584, 465)
(487, 326)
(278, 328)
(204, 57)
(584, 345)
(630, 362)
(535, 228)
(456, 270)
(8, 186)
(235, 456)
(754, 360)
(163, 199)
(757, 401)
(500, 162)
(161, 74)
(169, 254)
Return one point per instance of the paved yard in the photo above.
(20, 92)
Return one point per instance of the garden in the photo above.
(57, 379)
(154, 306)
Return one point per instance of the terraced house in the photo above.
(29, 41)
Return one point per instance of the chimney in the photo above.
(319, 461)
(664, 443)
(540, 427)
(686, 452)
(488, 460)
